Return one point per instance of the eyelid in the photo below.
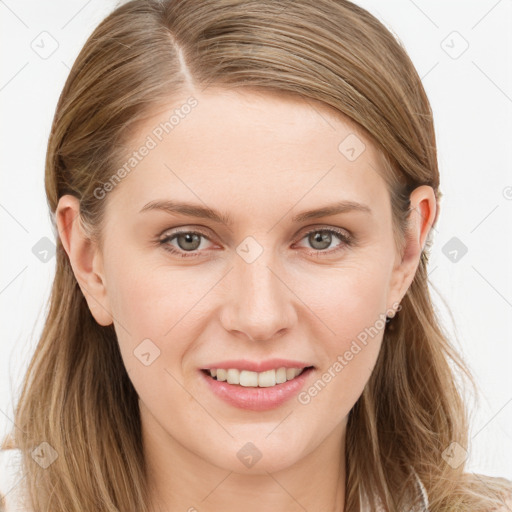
(303, 232)
(345, 236)
(165, 237)
(324, 227)
(185, 229)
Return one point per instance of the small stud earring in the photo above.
(389, 318)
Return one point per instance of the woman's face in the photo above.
(273, 283)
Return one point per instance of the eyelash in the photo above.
(346, 239)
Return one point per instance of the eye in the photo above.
(321, 239)
(186, 240)
(189, 242)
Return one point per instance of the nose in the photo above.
(260, 305)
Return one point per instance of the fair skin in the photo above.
(262, 159)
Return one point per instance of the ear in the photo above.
(85, 258)
(423, 214)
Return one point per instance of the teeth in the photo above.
(267, 379)
(246, 378)
(233, 376)
(281, 375)
(290, 373)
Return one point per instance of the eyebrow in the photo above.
(195, 210)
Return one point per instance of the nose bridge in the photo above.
(260, 303)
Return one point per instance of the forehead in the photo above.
(250, 150)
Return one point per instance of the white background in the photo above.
(471, 97)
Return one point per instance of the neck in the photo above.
(179, 479)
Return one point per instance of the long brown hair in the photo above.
(77, 396)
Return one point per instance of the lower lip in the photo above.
(256, 398)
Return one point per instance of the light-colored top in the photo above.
(11, 481)
(419, 499)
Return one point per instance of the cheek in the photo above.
(348, 297)
(359, 322)
(147, 297)
(353, 305)
(150, 319)
(158, 303)
(139, 301)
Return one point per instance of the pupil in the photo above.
(321, 237)
(190, 238)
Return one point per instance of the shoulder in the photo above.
(11, 480)
(507, 504)
(501, 487)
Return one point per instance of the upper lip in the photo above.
(258, 366)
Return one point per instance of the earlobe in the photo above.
(84, 258)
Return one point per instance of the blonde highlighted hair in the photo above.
(76, 394)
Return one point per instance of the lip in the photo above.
(255, 366)
(256, 398)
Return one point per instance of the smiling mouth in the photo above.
(246, 378)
